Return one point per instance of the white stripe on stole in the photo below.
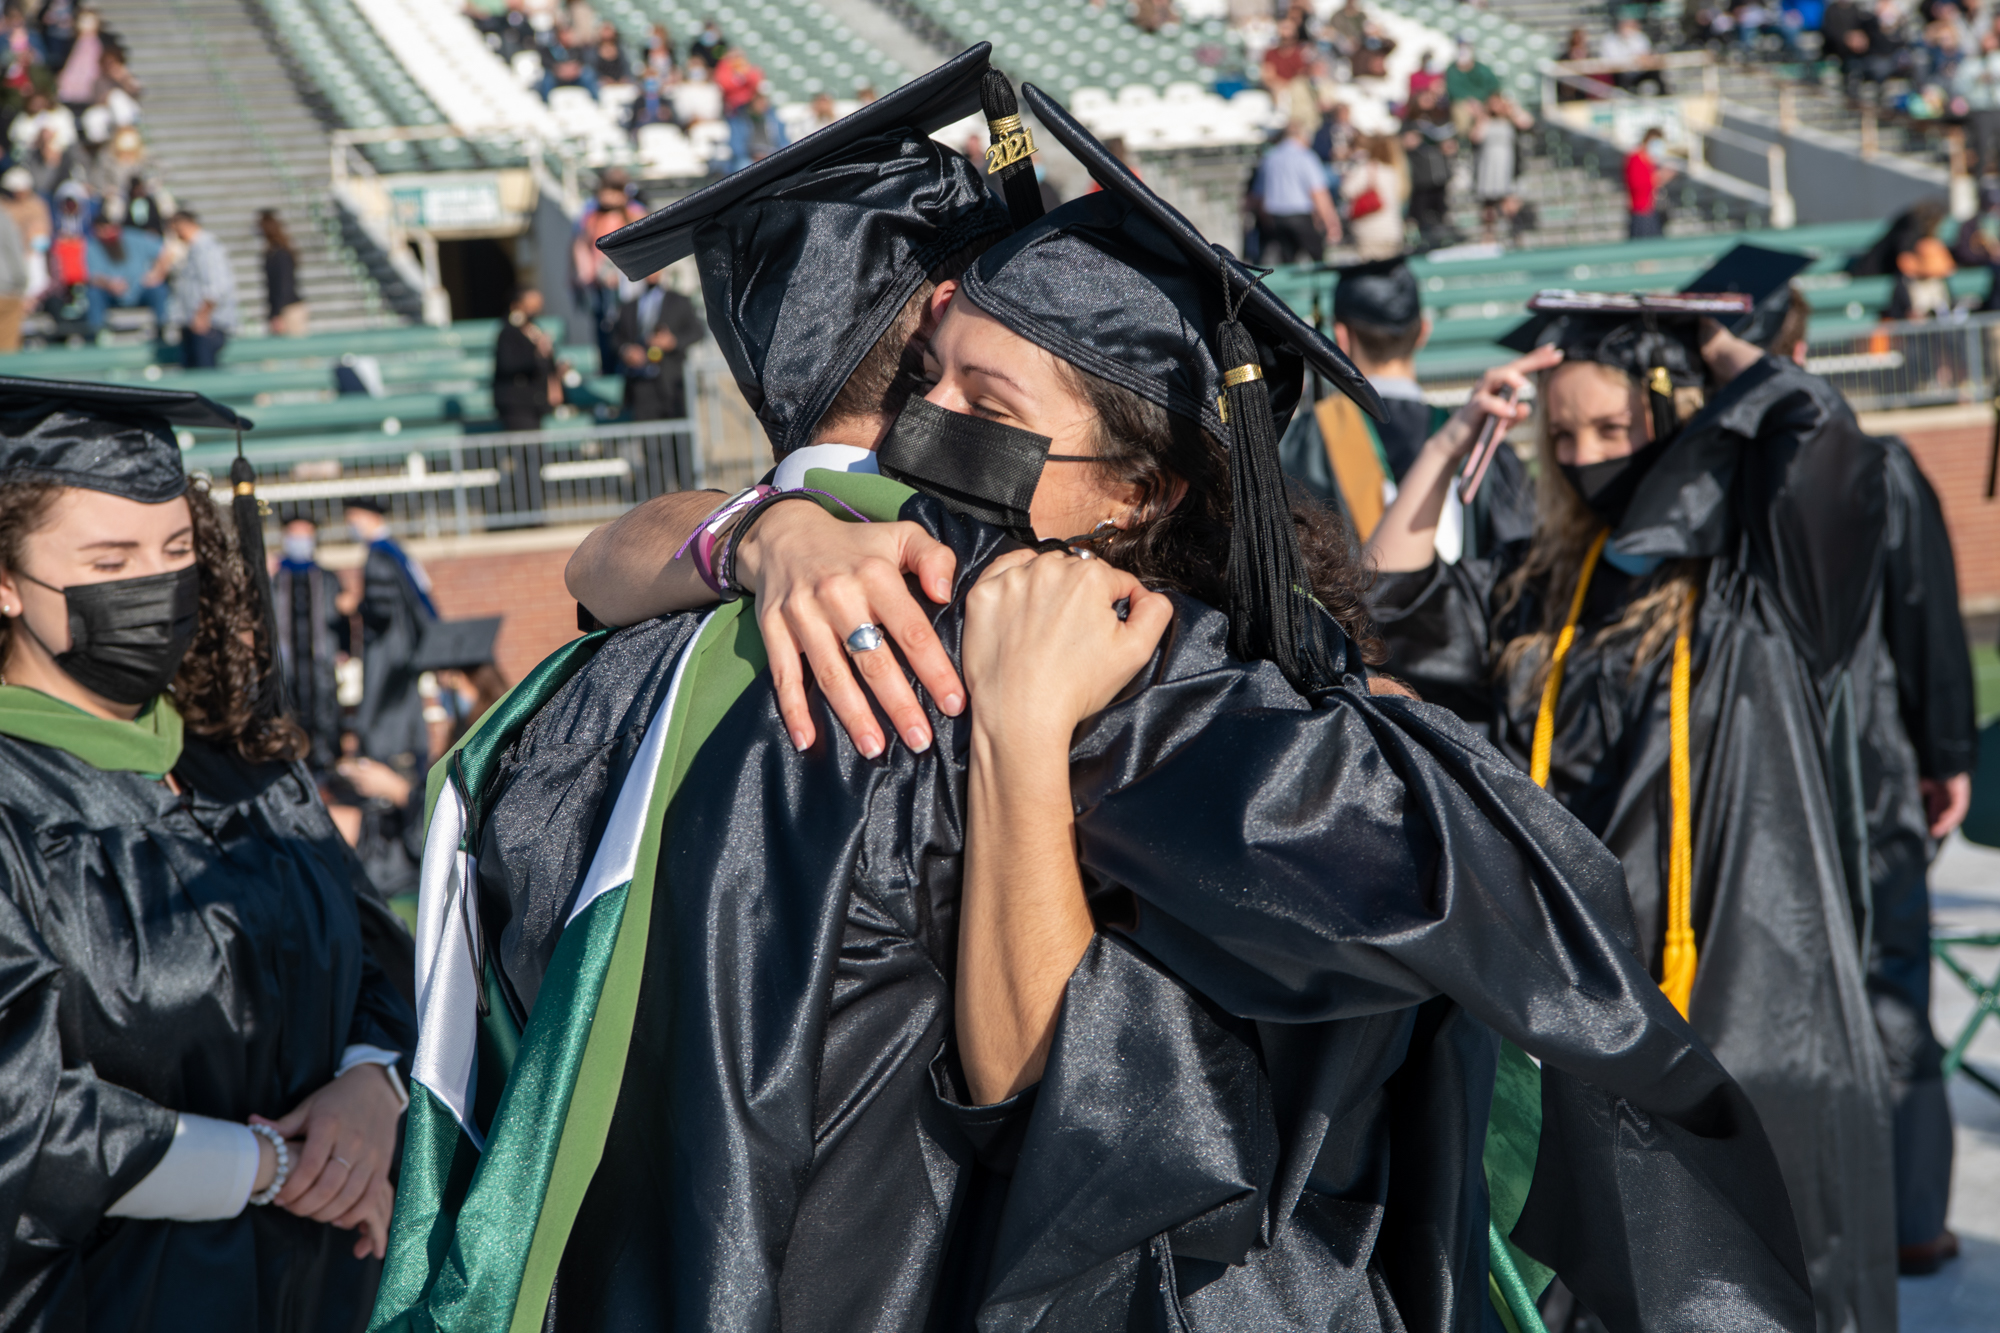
(618, 851)
(448, 914)
(447, 983)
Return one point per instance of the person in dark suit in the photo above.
(655, 329)
(396, 608)
(525, 386)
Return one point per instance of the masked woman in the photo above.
(1671, 655)
(198, 1081)
(736, 1100)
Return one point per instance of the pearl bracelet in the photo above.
(278, 1145)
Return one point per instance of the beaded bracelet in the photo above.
(284, 1171)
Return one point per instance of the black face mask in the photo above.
(1608, 487)
(982, 469)
(126, 637)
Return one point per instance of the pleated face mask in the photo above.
(126, 636)
(983, 469)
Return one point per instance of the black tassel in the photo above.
(1272, 615)
(250, 542)
(1007, 161)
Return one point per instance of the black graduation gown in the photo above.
(311, 630)
(1774, 487)
(390, 720)
(1270, 1083)
(161, 954)
(1914, 684)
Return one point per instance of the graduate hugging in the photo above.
(1087, 939)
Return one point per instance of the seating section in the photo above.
(1512, 51)
(1471, 302)
(1062, 45)
(801, 47)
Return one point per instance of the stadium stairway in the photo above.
(230, 134)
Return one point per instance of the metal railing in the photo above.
(495, 482)
(1919, 363)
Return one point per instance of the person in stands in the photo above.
(204, 298)
(1645, 173)
(285, 305)
(127, 269)
(655, 329)
(1295, 213)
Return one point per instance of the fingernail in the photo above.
(799, 741)
(919, 739)
(953, 702)
(870, 748)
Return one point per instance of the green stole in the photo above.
(150, 744)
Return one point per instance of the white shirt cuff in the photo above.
(206, 1175)
(375, 1055)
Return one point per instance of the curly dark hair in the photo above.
(1186, 547)
(221, 678)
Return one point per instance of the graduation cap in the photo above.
(1379, 293)
(114, 438)
(1763, 275)
(1653, 338)
(808, 256)
(457, 645)
(119, 439)
(1121, 285)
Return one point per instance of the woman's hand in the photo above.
(349, 1128)
(1455, 438)
(817, 579)
(1406, 538)
(371, 1218)
(1044, 647)
(1726, 354)
(376, 780)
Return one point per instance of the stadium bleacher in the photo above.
(1473, 301)
(1063, 46)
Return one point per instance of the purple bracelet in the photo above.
(704, 538)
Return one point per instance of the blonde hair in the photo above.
(1564, 528)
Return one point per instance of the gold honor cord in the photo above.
(1677, 962)
(1012, 142)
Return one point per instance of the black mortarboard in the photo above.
(1765, 276)
(457, 645)
(103, 437)
(929, 102)
(1121, 285)
(1381, 293)
(802, 273)
(1653, 338)
(371, 503)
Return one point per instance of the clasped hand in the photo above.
(342, 1140)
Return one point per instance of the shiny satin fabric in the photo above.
(43, 441)
(1774, 502)
(1268, 1092)
(161, 954)
(801, 280)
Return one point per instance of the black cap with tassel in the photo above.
(1009, 161)
(243, 506)
(1121, 285)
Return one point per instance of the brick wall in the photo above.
(518, 577)
(1953, 447)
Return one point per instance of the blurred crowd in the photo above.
(683, 80)
(1457, 138)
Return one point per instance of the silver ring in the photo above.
(343, 1161)
(865, 639)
